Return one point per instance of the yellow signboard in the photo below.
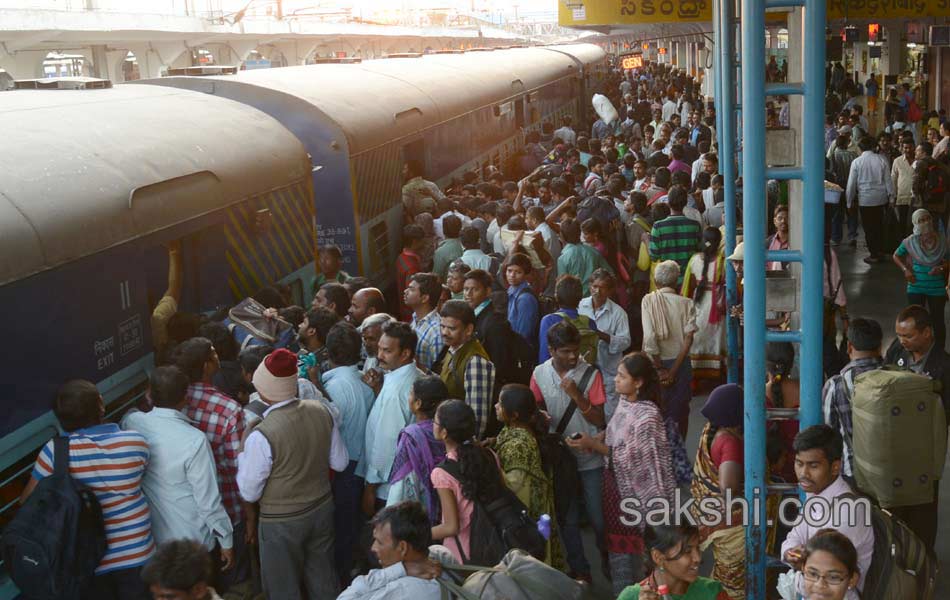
(628, 12)
(632, 62)
(632, 12)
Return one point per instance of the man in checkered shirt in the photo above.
(467, 369)
(422, 296)
(221, 419)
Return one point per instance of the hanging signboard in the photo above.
(632, 12)
(631, 61)
(626, 12)
(886, 9)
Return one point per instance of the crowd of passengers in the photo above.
(581, 291)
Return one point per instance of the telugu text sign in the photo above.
(632, 12)
(626, 12)
(884, 9)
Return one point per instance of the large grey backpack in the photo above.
(519, 576)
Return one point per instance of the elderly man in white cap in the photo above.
(285, 467)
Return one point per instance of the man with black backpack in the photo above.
(56, 541)
(572, 392)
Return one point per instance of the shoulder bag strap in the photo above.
(60, 455)
(452, 468)
(569, 413)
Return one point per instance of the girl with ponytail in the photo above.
(782, 392)
(479, 476)
(705, 282)
(639, 465)
(520, 457)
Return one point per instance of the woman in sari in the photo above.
(639, 463)
(705, 283)
(719, 468)
(672, 557)
(417, 450)
(922, 257)
(520, 456)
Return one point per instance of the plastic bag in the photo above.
(605, 110)
(787, 586)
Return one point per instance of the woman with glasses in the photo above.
(830, 569)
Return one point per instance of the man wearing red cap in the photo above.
(284, 466)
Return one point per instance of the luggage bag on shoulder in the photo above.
(519, 576)
(900, 436)
(902, 567)
(498, 526)
(53, 545)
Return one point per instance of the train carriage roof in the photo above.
(377, 101)
(85, 170)
(586, 53)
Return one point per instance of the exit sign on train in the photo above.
(632, 61)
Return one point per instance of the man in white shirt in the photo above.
(180, 481)
(473, 255)
(613, 329)
(285, 467)
(669, 109)
(447, 207)
(871, 186)
(902, 176)
(818, 452)
(566, 132)
(409, 566)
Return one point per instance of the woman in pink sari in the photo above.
(639, 464)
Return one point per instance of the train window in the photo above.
(296, 292)
(415, 150)
(519, 113)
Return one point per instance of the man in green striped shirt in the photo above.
(676, 237)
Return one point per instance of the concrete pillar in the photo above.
(895, 48)
(296, 52)
(24, 64)
(682, 53)
(155, 57)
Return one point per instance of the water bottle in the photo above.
(544, 526)
(664, 592)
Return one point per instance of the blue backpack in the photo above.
(53, 545)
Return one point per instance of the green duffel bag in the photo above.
(900, 436)
(519, 576)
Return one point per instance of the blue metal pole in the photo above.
(813, 164)
(717, 72)
(727, 167)
(753, 206)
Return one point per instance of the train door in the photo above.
(416, 150)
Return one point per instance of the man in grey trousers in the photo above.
(284, 465)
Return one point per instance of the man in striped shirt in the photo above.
(111, 463)
(676, 237)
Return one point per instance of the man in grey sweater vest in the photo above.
(284, 466)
